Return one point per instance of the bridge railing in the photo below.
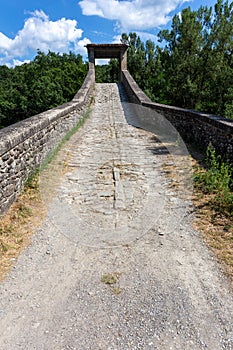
(194, 127)
(24, 146)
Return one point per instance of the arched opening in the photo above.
(116, 52)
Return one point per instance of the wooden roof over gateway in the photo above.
(107, 50)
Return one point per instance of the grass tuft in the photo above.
(110, 278)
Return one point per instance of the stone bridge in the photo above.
(26, 145)
(116, 264)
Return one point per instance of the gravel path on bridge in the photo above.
(116, 265)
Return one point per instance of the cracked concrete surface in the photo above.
(114, 212)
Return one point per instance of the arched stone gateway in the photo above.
(118, 51)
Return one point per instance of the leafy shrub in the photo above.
(217, 179)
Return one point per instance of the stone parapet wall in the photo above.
(24, 146)
(200, 128)
(135, 94)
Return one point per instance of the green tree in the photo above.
(136, 57)
(49, 80)
(194, 67)
(198, 58)
(102, 73)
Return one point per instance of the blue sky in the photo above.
(64, 25)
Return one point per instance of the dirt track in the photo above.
(114, 213)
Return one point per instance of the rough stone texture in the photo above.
(25, 145)
(193, 126)
(113, 212)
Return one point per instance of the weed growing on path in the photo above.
(112, 279)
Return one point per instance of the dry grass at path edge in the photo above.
(215, 227)
(18, 225)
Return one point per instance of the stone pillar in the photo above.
(91, 57)
(123, 62)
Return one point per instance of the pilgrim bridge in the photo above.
(116, 264)
(24, 146)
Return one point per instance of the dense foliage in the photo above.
(107, 73)
(194, 66)
(216, 180)
(49, 80)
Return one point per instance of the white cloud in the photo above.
(19, 63)
(132, 14)
(147, 36)
(80, 46)
(117, 39)
(41, 33)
